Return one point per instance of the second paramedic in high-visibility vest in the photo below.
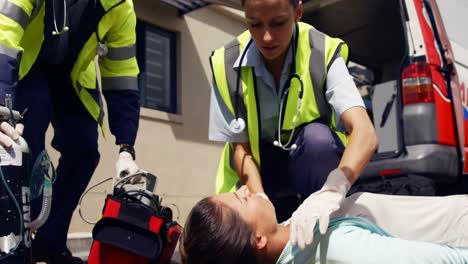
(51, 53)
(291, 115)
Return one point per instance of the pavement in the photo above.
(80, 245)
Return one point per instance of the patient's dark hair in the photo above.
(294, 3)
(215, 233)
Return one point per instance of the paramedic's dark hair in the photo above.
(215, 233)
(294, 3)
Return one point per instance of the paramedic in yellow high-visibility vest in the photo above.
(290, 114)
(50, 54)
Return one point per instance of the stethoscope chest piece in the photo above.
(237, 125)
(64, 29)
(102, 49)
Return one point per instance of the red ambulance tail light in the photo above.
(417, 84)
(390, 172)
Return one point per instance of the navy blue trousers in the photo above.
(49, 97)
(290, 176)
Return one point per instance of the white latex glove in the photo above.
(318, 207)
(8, 134)
(125, 166)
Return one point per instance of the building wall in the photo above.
(174, 147)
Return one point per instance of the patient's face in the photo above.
(255, 210)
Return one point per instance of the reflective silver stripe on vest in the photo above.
(10, 52)
(14, 12)
(222, 105)
(317, 70)
(122, 53)
(119, 83)
(231, 53)
(230, 72)
(336, 55)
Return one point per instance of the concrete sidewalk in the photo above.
(80, 245)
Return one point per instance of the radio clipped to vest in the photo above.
(135, 227)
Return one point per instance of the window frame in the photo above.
(142, 28)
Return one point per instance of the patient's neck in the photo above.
(276, 244)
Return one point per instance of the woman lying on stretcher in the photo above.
(241, 227)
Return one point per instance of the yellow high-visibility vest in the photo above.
(315, 53)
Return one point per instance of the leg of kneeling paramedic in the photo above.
(318, 152)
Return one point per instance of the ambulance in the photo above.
(409, 59)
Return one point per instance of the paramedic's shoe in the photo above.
(42, 252)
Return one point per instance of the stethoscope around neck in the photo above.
(65, 28)
(237, 125)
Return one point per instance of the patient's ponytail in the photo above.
(215, 233)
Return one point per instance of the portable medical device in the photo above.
(135, 227)
(20, 182)
(15, 218)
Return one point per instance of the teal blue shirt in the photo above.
(357, 240)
